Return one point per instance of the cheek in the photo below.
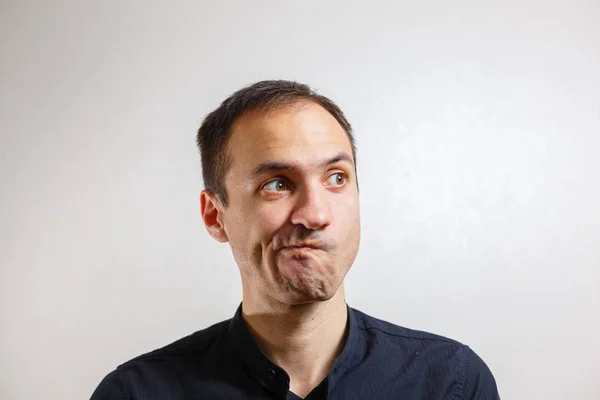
(259, 234)
(347, 213)
(270, 219)
(255, 227)
(347, 228)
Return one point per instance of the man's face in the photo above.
(292, 218)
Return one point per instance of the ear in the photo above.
(211, 210)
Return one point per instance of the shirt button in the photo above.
(272, 373)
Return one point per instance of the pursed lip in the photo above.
(303, 246)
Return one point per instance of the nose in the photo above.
(313, 208)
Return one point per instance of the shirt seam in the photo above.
(462, 366)
(126, 393)
(436, 339)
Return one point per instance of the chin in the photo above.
(300, 299)
(299, 292)
(306, 277)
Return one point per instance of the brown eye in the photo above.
(277, 185)
(337, 179)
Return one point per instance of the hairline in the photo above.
(291, 103)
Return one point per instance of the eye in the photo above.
(338, 179)
(276, 185)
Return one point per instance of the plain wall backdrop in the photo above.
(478, 131)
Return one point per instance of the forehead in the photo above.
(303, 135)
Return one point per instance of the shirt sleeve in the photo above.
(479, 383)
(111, 388)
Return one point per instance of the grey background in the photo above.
(478, 129)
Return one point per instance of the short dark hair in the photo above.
(263, 96)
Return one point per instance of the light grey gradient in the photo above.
(478, 133)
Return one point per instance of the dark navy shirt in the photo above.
(379, 361)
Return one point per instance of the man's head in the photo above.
(278, 163)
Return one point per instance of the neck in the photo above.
(305, 340)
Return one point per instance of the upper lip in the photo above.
(305, 244)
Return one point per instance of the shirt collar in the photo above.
(272, 376)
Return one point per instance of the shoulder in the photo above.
(433, 355)
(192, 353)
(400, 334)
(397, 344)
(193, 345)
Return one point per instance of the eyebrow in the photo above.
(275, 166)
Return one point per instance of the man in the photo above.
(279, 166)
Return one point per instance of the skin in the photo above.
(293, 224)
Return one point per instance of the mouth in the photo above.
(306, 244)
(302, 250)
(299, 248)
(302, 246)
